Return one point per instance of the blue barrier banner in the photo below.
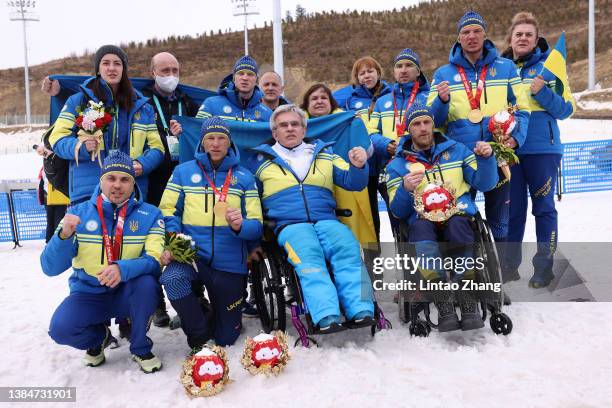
(6, 226)
(30, 216)
(587, 166)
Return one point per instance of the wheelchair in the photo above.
(277, 288)
(412, 304)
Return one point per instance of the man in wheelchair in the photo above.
(295, 179)
(214, 200)
(429, 189)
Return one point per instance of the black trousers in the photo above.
(55, 213)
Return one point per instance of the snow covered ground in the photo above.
(558, 354)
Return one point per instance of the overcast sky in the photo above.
(71, 26)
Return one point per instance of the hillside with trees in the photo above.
(323, 46)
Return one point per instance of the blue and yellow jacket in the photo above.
(382, 121)
(143, 243)
(450, 162)
(188, 202)
(359, 98)
(227, 104)
(134, 133)
(547, 106)
(287, 200)
(502, 87)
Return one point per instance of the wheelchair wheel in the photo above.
(269, 295)
(500, 324)
(492, 271)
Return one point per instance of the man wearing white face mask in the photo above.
(167, 101)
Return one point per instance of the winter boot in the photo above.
(94, 357)
(541, 279)
(161, 317)
(510, 275)
(148, 362)
(447, 317)
(125, 328)
(470, 315)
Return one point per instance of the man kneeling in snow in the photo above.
(429, 188)
(113, 242)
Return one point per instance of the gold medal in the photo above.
(475, 116)
(417, 168)
(220, 209)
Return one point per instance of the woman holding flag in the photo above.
(317, 102)
(549, 99)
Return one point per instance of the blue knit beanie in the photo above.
(408, 54)
(415, 111)
(471, 18)
(246, 63)
(214, 125)
(118, 162)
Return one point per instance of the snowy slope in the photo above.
(557, 356)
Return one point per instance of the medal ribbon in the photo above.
(221, 195)
(112, 249)
(428, 166)
(474, 99)
(160, 112)
(400, 127)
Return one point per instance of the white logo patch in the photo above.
(457, 78)
(358, 104)
(196, 178)
(161, 223)
(227, 109)
(388, 104)
(91, 225)
(259, 157)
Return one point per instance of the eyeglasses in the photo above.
(285, 125)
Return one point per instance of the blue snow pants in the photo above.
(456, 232)
(225, 291)
(79, 321)
(538, 173)
(308, 246)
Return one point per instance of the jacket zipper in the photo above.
(212, 240)
(485, 90)
(305, 202)
(206, 199)
(113, 240)
(550, 131)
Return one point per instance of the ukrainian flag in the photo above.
(555, 68)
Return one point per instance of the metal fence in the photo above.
(587, 166)
(22, 218)
(15, 119)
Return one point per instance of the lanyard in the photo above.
(400, 127)
(160, 112)
(474, 99)
(112, 249)
(221, 195)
